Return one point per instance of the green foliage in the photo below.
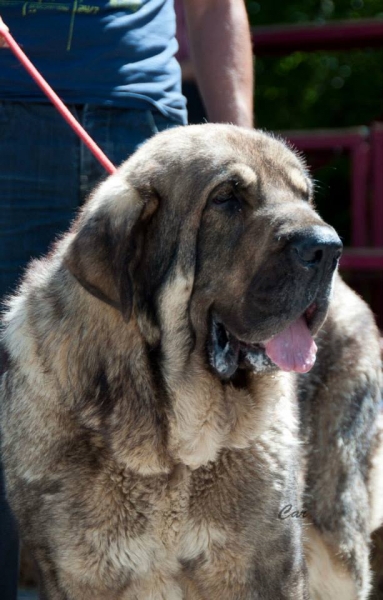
(265, 12)
(318, 89)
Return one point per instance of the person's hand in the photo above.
(3, 43)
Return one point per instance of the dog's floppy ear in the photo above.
(104, 240)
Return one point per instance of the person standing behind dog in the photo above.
(113, 63)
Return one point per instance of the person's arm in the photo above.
(222, 54)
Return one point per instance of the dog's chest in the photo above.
(168, 510)
(138, 530)
(171, 521)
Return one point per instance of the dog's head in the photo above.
(231, 210)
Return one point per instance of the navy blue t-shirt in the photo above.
(110, 53)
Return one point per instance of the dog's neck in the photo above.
(172, 403)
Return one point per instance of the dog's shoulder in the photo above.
(348, 345)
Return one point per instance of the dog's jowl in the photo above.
(190, 410)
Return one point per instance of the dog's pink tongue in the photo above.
(294, 349)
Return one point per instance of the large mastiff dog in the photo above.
(170, 428)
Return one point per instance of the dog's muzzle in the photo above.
(312, 256)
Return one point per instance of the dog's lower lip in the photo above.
(310, 314)
(252, 345)
(227, 353)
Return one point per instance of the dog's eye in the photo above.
(227, 199)
(224, 198)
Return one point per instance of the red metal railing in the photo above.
(339, 35)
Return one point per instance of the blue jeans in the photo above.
(45, 174)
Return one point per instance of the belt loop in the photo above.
(151, 121)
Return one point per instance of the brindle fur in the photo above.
(134, 471)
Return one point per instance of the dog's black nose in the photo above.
(316, 247)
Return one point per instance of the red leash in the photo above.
(53, 97)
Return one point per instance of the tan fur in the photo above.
(328, 577)
(136, 468)
(376, 480)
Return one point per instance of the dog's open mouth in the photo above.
(292, 349)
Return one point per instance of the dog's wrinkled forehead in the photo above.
(206, 154)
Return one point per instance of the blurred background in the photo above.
(328, 88)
